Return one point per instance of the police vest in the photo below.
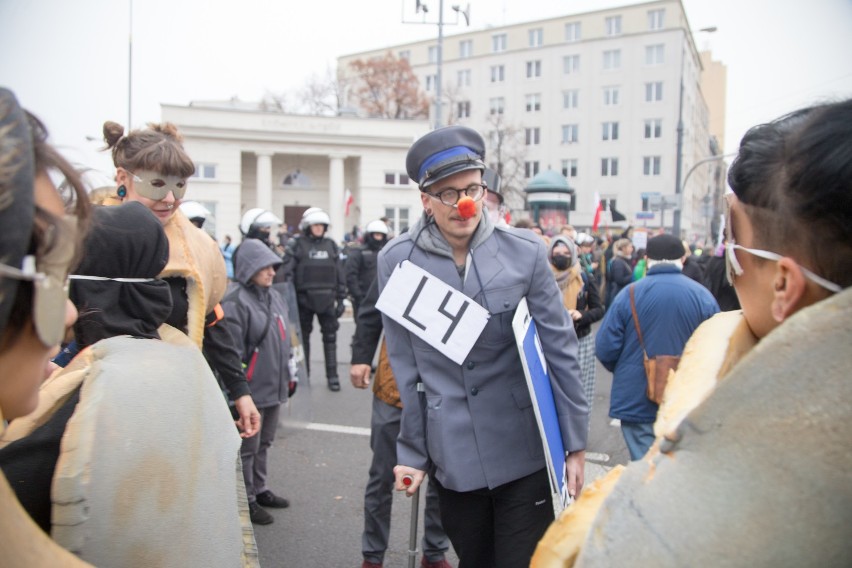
(317, 264)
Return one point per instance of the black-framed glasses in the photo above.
(450, 196)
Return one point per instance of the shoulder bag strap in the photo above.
(636, 319)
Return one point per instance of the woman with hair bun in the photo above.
(152, 168)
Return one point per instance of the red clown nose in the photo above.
(467, 207)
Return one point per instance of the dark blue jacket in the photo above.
(670, 306)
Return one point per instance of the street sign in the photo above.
(644, 215)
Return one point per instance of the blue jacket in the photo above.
(670, 306)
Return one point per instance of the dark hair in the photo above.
(794, 175)
(76, 199)
(158, 148)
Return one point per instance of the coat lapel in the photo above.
(483, 269)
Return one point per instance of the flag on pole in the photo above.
(347, 201)
(597, 220)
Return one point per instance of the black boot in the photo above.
(330, 350)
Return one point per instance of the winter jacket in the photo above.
(258, 319)
(670, 306)
(619, 274)
(360, 269)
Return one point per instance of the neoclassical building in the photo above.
(248, 157)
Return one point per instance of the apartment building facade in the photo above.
(596, 96)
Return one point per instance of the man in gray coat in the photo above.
(471, 425)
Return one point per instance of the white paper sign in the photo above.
(437, 313)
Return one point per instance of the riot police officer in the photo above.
(312, 263)
(361, 263)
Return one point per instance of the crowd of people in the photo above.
(161, 321)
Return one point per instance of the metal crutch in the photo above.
(415, 511)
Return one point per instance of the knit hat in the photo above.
(665, 247)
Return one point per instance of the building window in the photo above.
(398, 217)
(571, 64)
(498, 43)
(530, 169)
(396, 178)
(533, 102)
(611, 96)
(610, 131)
(655, 54)
(651, 165)
(463, 108)
(570, 133)
(572, 31)
(465, 48)
(498, 73)
(613, 25)
(433, 54)
(533, 136)
(464, 78)
(612, 59)
(570, 99)
(536, 37)
(653, 91)
(533, 69)
(656, 19)
(496, 105)
(569, 168)
(609, 167)
(654, 128)
(405, 54)
(431, 80)
(204, 171)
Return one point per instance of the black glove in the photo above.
(291, 388)
(341, 307)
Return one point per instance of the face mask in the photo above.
(561, 262)
(156, 187)
(48, 271)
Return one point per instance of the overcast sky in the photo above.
(67, 60)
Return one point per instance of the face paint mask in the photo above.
(561, 262)
(156, 187)
(48, 271)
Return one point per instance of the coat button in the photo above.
(474, 391)
(506, 304)
(470, 365)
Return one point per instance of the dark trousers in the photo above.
(328, 327)
(378, 495)
(254, 452)
(500, 527)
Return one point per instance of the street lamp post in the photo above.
(679, 168)
(421, 7)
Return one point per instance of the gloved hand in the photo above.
(291, 388)
(341, 307)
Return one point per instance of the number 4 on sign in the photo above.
(435, 312)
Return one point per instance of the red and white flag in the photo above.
(597, 219)
(347, 201)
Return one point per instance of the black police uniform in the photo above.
(313, 265)
(361, 269)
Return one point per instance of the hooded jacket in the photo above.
(588, 299)
(257, 317)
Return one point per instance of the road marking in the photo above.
(596, 457)
(615, 422)
(338, 429)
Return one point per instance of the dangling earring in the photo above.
(428, 212)
(122, 191)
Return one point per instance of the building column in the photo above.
(264, 180)
(335, 196)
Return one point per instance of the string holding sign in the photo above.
(432, 310)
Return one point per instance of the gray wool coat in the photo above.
(474, 426)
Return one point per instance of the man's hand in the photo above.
(575, 314)
(403, 473)
(249, 422)
(574, 463)
(359, 374)
(341, 307)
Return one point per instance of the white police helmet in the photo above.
(314, 216)
(377, 226)
(257, 217)
(194, 210)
